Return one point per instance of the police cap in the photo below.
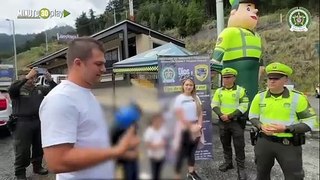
(277, 68)
(235, 3)
(229, 71)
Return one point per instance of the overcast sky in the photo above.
(9, 10)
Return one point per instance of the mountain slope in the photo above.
(6, 41)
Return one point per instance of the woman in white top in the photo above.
(189, 114)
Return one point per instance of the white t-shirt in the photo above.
(155, 136)
(188, 106)
(71, 114)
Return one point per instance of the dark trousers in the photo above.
(288, 156)
(27, 136)
(232, 131)
(187, 149)
(130, 169)
(156, 167)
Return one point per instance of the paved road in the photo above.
(208, 169)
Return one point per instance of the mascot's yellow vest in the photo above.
(234, 43)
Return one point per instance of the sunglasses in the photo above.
(227, 77)
(186, 77)
(274, 78)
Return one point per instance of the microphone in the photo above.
(125, 117)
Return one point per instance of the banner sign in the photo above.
(171, 70)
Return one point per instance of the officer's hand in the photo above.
(48, 77)
(128, 141)
(32, 73)
(224, 117)
(278, 128)
(266, 129)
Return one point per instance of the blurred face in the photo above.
(90, 70)
(276, 84)
(228, 81)
(245, 16)
(157, 123)
(188, 86)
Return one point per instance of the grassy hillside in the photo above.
(35, 53)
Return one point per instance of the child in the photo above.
(125, 116)
(155, 138)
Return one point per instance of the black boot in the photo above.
(21, 177)
(225, 167)
(193, 176)
(40, 170)
(242, 175)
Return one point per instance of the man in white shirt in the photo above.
(74, 132)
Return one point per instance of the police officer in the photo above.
(26, 99)
(282, 116)
(239, 46)
(230, 102)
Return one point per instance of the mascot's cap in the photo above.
(278, 68)
(235, 3)
(229, 71)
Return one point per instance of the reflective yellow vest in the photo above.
(290, 108)
(234, 43)
(230, 100)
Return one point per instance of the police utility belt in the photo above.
(298, 139)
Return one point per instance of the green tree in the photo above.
(182, 16)
(195, 18)
(93, 22)
(143, 15)
(162, 22)
(83, 25)
(153, 21)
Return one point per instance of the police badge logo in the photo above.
(201, 71)
(299, 19)
(168, 75)
(285, 141)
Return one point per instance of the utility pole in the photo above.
(220, 16)
(46, 35)
(131, 10)
(114, 16)
(220, 24)
(14, 48)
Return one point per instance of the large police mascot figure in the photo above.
(239, 47)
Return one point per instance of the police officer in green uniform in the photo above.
(239, 47)
(282, 116)
(26, 99)
(229, 103)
